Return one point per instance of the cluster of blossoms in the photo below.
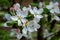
(28, 18)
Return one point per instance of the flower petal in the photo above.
(40, 10)
(19, 36)
(31, 11)
(19, 23)
(14, 18)
(36, 20)
(40, 4)
(52, 11)
(24, 30)
(39, 16)
(30, 29)
(36, 26)
(7, 16)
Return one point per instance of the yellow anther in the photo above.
(19, 17)
(26, 23)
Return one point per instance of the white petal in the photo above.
(56, 9)
(52, 11)
(31, 11)
(23, 20)
(40, 10)
(57, 18)
(19, 12)
(19, 35)
(38, 16)
(17, 4)
(19, 23)
(14, 18)
(25, 35)
(36, 26)
(12, 33)
(7, 16)
(31, 29)
(36, 20)
(24, 30)
(56, 3)
(49, 6)
(24, 9)
(34, 9)
(5, 25)
(24, 13)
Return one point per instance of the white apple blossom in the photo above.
(50, 6)
(36, 12)
(53, 7)
(15, 33)
(30, 27)
(19, 19)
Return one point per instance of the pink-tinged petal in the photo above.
(18, 30)
(11, 8)
(16, 6)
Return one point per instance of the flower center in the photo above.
(35, 14)
(19, 17)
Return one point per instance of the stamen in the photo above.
(26, 23)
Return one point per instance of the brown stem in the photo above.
(40, 31)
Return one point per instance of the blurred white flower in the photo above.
(36, 12)
(30, 27)
(46, 33)
(50, 6)
(19, 19)
(40, 4)
(53, 7)
(55, 10)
